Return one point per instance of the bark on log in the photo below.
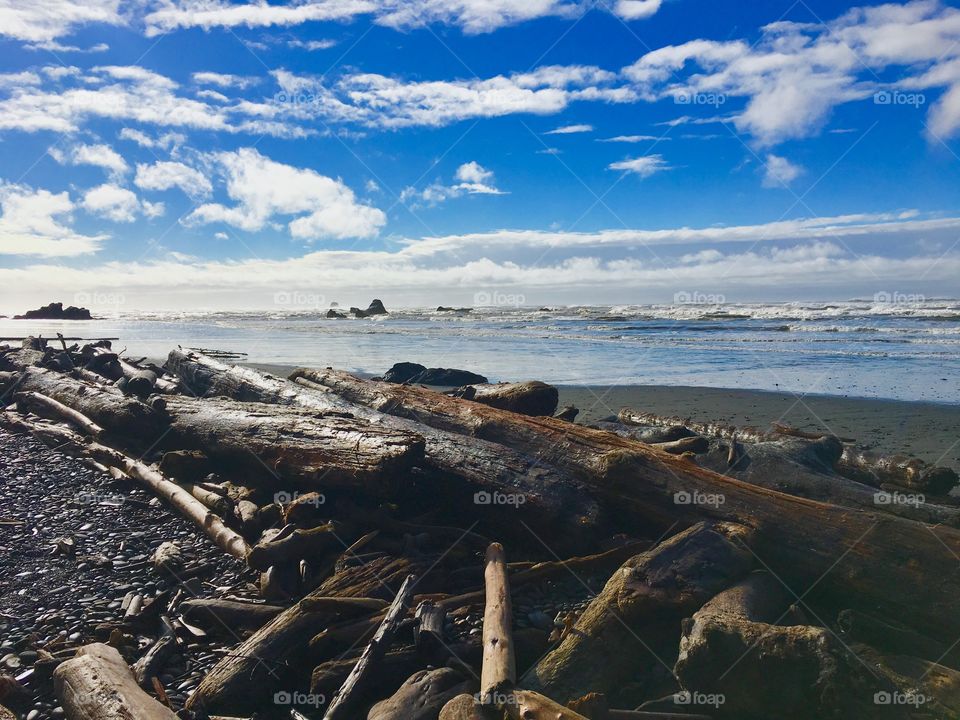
(212, 614)
(428, 632)
(894, 639)
(49, 408)
(874, 561)
(527, 398)
(342, 704)
(551, 496)
(274, 657)
(98, 685)
(731, 651)
(646, 598)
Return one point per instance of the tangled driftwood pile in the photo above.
(743, 573)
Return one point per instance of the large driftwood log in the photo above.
(215, 614)
(499, 671)
(344, 702)
(646, 599)
(733, 653)
(527, 398)
(870, 560)
(98, 685)
(274, 657)
(553, 496)
(422, 696)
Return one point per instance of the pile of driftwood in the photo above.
(748, 574)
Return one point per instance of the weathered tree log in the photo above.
(148, 667)
(98, 685)
(874, 561)
(298, 544)
(141, 383)
(342, 704)
(422, 696)
(647, 598)
(274, 657)
(49, 408)
(550, 496)
(888, 636)
(732, 653)
(921, 688)
(428, 632)
(527, 398)
(214, 614)
(908, 472)
(499, 671)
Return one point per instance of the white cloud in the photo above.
(167, 141)
(264, 189)
(643, 166)
(312, 45)
(472, 16)
(632, 138)
(118, 204)
(570, 130)
(474, 179)
(224, 80)
(779, 172)
(32, 223)
(98, 155)
(42, 21)
(163, 175)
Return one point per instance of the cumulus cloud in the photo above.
(163, 175)
(264, 189)
(779, 172)
(637, 9)
(98, 155)
(36, 222)
(45, 21)
(224, 80)
(118, 204)
(167, 141)
(643, 166)
(472, 177)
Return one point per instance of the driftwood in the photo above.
(499, 661)
(98, 685)
(526, 398)
(422, 696)
(298, 544)
(148, 667)
(646, 599)
(550, 496)
(888, 636)
(873, 560)
(428, 632)
(734, 650)
(341, 705)
(49, 408)
(213, 614)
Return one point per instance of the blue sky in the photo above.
(216, 154)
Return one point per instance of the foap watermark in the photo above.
(898, 298)
(498, 498)
(898, 498)
(285, 498)
(295, 99)
(299, 298)
(99, 497)
(899, 698)
(698, 298)
(299, 699)
(495, 298)
(699, 498)
(99, 299)
(898, 97)
(686, 97)
(686, 697)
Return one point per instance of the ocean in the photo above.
(900, 351)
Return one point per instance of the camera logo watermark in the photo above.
(99, 299)
(897, 97)
(685, 697)
(300, 699)
(498, 498)
(898, 298)
(299, 298)
(686, 97)
(898, 498)
(285, 498)
(98, 497)
(698, 298)
(495, 298)
(899, 698)
(699, 498)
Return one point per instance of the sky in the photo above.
(174, 154)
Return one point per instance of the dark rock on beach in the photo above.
(454, 309)
(376, 308)
(56, 311)
(334, 315)
(406, 372)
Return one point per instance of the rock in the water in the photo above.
(376, 308)
(453, 309)
(333, 314)
(56, 311)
